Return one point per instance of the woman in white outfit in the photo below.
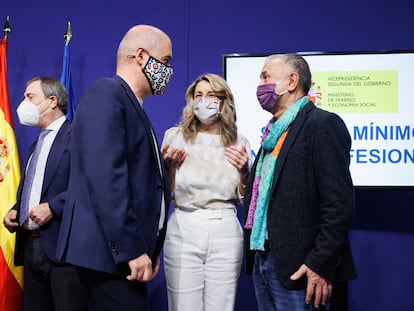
(207, 162)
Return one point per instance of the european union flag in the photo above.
(65, 78)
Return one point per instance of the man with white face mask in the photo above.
(48, 284)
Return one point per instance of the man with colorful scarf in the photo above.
(299, 198)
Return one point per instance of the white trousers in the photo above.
(203, 252)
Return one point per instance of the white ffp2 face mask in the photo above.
(28, 113)
(207, 110)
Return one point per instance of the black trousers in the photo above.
(107, 292)
(339, 298)
(49, 286)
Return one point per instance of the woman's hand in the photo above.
(173, 159)
(237, 157)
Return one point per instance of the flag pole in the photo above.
(6, 28)
(68, 34)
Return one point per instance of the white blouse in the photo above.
(205, 179)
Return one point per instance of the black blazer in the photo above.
(116, 188)
(312, 200)
(55, 183)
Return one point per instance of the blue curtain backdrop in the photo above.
(382, 236)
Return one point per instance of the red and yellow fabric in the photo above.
(11, 277)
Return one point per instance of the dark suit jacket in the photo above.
(55, 183)
(312, 200)
(115, 188)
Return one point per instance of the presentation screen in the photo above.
(373, 92)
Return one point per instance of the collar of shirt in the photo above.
(55, 125)
(141, 102)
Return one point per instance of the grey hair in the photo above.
(299, 65)
(53, 87)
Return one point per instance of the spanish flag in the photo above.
(11, 277)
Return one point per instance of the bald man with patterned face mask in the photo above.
(118, 195)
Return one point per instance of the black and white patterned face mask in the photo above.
(158, 75)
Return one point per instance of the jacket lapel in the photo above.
(141, 112)
(290, 139)
(55, 154)
(147, 125)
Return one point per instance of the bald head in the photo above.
(139, 44)
(147, 37)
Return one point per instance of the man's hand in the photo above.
(141, 269)
(10, 221)
(41, 214)
(317, 287)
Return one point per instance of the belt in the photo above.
(34, 233)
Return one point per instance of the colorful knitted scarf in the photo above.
(273, 141)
